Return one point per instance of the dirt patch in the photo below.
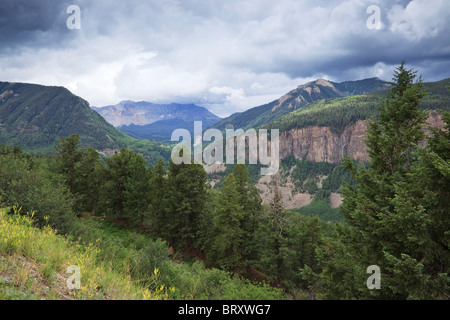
(336, 199)
(22, 273)
(289, 200)
(216, 167)
(108, 152)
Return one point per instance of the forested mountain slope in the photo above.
(298, 98)
(35, 117)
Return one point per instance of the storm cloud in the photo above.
(225, 55)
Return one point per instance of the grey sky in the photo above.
(226, 55)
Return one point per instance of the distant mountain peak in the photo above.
(323, 82)
(128, 112)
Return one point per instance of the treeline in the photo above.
(33, 184)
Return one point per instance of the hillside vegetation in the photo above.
(339, 113)
(116, 265)
(297, 99)
(59, 199)
(34, 265)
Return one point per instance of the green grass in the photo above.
(27, 251)
(139, 254)
(115, 264)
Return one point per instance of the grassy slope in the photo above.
(321, 208)
(33, 265)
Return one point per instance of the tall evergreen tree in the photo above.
(67, 159)
(126, 187)
(88, 180)
(81, 170)
(287, 242)
(137, 191)
(272, 237)
(184, 203)
(391, 210)
(250, 201)
(226, 248)
(157, 196)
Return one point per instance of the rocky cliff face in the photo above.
(320, 144)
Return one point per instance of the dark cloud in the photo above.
(31, 23)
(227, 55)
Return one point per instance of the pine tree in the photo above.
(81, 170)
(67, 158)
(392, 139)
(125, 191)
(184, 203)
(88, 179)
(137, 190)
(277, 228)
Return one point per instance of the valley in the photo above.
(197, 231)
(306, 118)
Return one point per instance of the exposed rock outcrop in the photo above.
(320, 144)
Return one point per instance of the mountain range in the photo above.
(146, 120)
(316, 136)
(320, 120)
(301, 96)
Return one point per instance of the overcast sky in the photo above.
(226, 55)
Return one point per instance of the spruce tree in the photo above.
(67, 159)
(137, 190)
(81, 170)
(277, 228)
(88, 179)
